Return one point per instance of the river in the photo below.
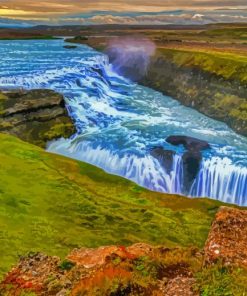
(119, 122)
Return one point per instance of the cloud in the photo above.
(124, 11)
(159, 19)
(57, 7)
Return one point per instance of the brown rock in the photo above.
(89, 258)
(180, 286)
(35, 116)
(31, 273)
(227, 239)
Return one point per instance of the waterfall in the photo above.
(217, 178)
(119, 122)
(221, 179)
(145, 171)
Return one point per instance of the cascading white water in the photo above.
(220, 177)
(119, 122)
(144, 170)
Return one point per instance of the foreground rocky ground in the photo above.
(35, 116)
(141, 269)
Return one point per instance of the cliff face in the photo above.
(220, 94)
(35, 116)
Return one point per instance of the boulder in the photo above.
(191, 158)
(227, 239)
(165, 157)
(35, 116)
(191, 167)
(70, 46)
(189, 143)
(180, 286)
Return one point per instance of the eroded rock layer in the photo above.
(35, 116)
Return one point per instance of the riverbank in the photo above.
(23, 34)
(203, 68)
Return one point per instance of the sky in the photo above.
(30, 12)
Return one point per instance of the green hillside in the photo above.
(53, 204)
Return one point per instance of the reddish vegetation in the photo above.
(140, 269)
(31, 273)
(95, 257)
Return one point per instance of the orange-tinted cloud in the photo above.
(47, 8)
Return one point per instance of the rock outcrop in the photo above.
(227, 239)
(191, 158)
(165, 157)
(35, 116)
(110, 270)
(189, 143)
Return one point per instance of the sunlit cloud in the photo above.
(33, 7)
(124, 11)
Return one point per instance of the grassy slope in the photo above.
(232, 66)
(52, 204)
(229, 66)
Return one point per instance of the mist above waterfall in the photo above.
(130, 56)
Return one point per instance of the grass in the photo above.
(218, 280)
(227, 33)
(230, 66)
(2, 100)
(213, 82)
(53, 204)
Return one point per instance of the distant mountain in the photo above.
(11, 23)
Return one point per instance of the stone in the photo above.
(189, 143)
(191, 158)
(35, 116)
(165, 157)
(191, 167)
(227, 239)
(70, 46)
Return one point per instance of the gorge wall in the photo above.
(176, 75)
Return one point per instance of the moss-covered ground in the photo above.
(228, 65)
(53, 204)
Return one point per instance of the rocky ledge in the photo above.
(35, 116)
(142, 269)
(227, 239)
